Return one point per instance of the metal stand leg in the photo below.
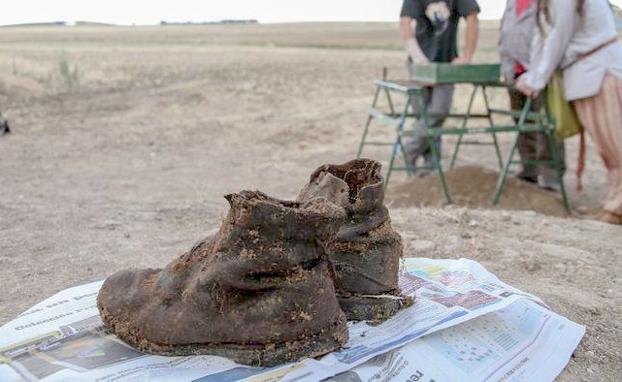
(464, 123)
(550, 135)
(435, 153)
(504, 174)
(369, 120)
(409, 169)
(506, 169)
(390, 101)
(557, 161)
(398, 140)
(491, 123)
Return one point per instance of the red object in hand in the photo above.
(519, 69)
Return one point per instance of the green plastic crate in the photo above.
(453, 74)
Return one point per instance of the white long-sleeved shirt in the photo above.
(515, 37)
(567, 37)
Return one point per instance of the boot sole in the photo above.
(362, 308)
(262, 355)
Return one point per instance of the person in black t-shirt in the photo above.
(436, 29)
(435, 40)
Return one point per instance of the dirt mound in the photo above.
(474, 187)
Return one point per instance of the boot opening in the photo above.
(357, 174)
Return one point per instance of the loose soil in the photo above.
(474, 187)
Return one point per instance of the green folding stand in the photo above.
(411, 91)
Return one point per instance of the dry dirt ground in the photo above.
(125, 140)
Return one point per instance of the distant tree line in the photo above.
(46, 24)
(232, 21)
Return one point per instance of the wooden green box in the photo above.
(453, 74)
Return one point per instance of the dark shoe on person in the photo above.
(259, 292)
(366, 252)
(533, 179)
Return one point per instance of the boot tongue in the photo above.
(356, 189)
(327, 186)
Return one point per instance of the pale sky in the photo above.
(267, 11)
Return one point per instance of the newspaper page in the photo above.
(62, 338)
(447, 293)
(523, 342)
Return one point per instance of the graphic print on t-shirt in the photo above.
(438, 13)
(437, 25)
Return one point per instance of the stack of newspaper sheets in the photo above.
(466, 325)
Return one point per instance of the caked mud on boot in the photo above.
(259, 292)
(366, 252)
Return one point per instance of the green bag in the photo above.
(567, 122)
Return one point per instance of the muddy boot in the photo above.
(366, 252)
(259, 292)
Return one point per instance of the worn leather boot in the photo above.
(366, 252)
(259, 292)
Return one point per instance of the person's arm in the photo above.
(410, 43)
(548, 57)
(470, 39)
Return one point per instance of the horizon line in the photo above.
(70, 23)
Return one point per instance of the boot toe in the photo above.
(123, 294)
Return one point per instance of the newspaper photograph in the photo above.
(483, 328)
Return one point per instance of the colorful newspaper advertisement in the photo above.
(62, 338)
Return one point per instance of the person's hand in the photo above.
(509, 80)
(421, 61)
(415, 53)
(461, 60)
(522, 86)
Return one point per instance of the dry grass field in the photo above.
(125, 139)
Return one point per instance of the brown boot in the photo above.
(259, 292)
(366, 252)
